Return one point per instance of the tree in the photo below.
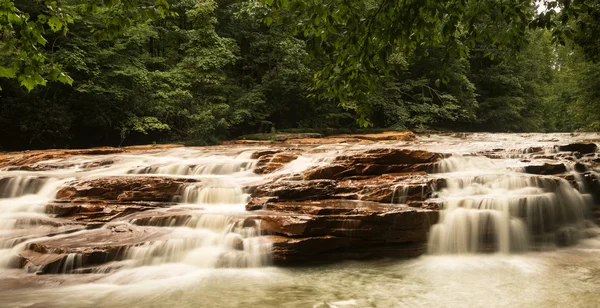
(358, 37)
(25, 25)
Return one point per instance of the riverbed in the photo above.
(195, 243)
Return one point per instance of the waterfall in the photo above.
(206, 240)
(489, 207)
(207, 227)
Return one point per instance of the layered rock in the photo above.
(328, 230)
(64, 254)
(56, 159)
(354, 208)
(124, 188)
(397, 188)
(272, 160)
(376, 162)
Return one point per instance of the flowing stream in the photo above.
(210, 252)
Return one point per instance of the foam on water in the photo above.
(215, 234)
(489, 206)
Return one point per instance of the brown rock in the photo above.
(123, 188)
(100, 211)
(269, 163)
(87, 248)
(326, 230)
(389, 188)
(583, 148)
(546, 168)
(376, 162)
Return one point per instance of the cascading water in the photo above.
(491, 207)
(205, 240)
(204, 249)
(214, 232)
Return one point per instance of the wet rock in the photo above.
(99, 164)
(296, 190)
(389, 188)
(324, 249)
(546, 168)
(376, 162)
(579, 167)
(32, 157)
(64, 254)
(100, 211)
(321, 231)
(592, 184)
(583, 148)
(14, 237)
(283, 137)
(355, 138)
(36, 160)
(261, 153)
(259, 203)
(123, 188)
(269, 163)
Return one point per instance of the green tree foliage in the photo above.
(137, 71)
(26, 24)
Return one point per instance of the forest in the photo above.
(117, 73)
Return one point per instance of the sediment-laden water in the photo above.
(514, 229)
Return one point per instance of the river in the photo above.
(210, 260)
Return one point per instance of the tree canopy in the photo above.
(78, 73)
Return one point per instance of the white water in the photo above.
(215, 258)
(214, 236)
(489, 206)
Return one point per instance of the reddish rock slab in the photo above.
(31, 160)
(327, 230)
(269, 163)
(88, 248)
(100, 211)
(326, 249)
(124, 188)
(376, 162)
(389, 188)
(354, 138)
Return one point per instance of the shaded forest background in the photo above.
(215, 71)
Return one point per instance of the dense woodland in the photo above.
(215, 69)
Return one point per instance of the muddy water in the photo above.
(181, 271)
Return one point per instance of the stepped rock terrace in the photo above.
(87, 217)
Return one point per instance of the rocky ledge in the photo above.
(330, 230)
(378, 202)
(363, 204)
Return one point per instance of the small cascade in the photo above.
(205, 166)
(489, 207)
(400, 194)
(17, 186)
(206, 240)
(218, 193)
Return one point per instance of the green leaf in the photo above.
(7, 72)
